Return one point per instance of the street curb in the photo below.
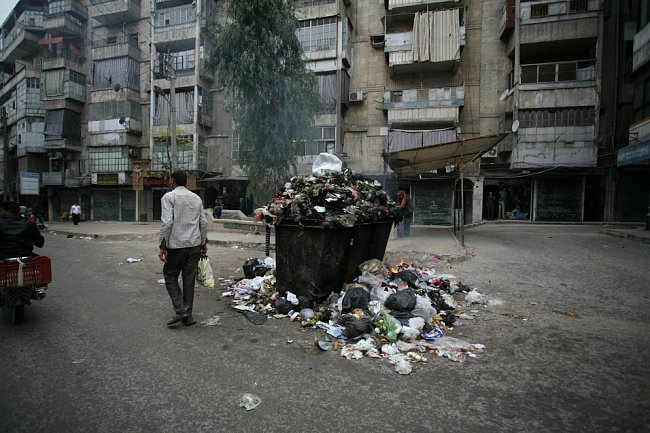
(154, 237)
(625, 235)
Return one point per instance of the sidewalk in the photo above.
(424, 240)
(636, 233)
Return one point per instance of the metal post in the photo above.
(8, 190)
(462, 198)
(172, 103)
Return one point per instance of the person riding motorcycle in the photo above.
(17, 236)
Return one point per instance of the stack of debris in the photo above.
(398, 313)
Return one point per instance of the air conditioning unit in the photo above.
(355, 96)
(492, 153)
(134, 152)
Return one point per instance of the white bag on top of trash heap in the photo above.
(204, 273)
(325, 164)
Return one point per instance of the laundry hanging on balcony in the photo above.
(436, 36)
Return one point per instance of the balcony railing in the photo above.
(308, 3)
(534, 10)
(579, 70)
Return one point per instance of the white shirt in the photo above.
(184, 223)
(75, 209)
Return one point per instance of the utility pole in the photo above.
(8, 193)
(171, 74)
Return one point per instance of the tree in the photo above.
(258, 56)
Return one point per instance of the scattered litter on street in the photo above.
(212, 321)
(397, 313)
(132, 260)
(249, 401)
(161, 281)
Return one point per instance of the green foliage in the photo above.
(258, 56)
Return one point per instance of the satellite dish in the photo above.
(117, 87)
(504, 95)
(122, 120)
(515, 126)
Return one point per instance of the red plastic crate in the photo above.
(36, 272)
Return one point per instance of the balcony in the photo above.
(65, 61)
(121, 46)
(558, 84)
(559, 146)
(53, 142)
(115, 12)
(175, 28)
(30, 142)
(407, 5)
(435, 106)
(71, 7)
(434, 44)
(507, 19)
(114, 138)
(641, 48)
(62, 24)
(558, 20)
(22, 39)
(310, 9)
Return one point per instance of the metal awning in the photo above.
(419, 160)
(222, 178)
(637, 153)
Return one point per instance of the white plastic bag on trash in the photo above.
(204, 273)
(326, 163)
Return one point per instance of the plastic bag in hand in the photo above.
(204, 273)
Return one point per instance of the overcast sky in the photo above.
(5, 7)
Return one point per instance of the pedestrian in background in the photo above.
(183, 239)
(503, 197)
(491, 205)
(75, 213)
(406, 210)
(217, 210)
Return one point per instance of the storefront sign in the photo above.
(107, 179)
(52, 178)
(29, 183)
(633, 153)
(156, 179)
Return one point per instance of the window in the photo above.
(234, 145)
(576, 6)
(111, 40)
(641, 100)
(108, 159)
(33, 83)
(324, 141)
(318, 34)
(539, 10)
(561, 117)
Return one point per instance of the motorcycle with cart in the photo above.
(23, 279)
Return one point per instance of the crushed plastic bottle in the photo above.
(249, 401)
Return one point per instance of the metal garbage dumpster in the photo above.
(313, 261)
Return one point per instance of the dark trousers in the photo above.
(181, 261)
(75, 218)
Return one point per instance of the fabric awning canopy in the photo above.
(48, 41)
(637, 153)
(419, 160)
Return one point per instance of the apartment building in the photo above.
(451, 99)
(628, 117)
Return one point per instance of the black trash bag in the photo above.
(449, 319)
(402, 316)
(403, 300)
(249, 267)
(408, 276)
(438, 302)
(282, 306)
(303, 302)
(357, 297)
(355, 327)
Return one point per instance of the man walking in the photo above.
(183, 238)
(75, 212)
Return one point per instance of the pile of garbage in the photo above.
(331, 197)
(399, 313)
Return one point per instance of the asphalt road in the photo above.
(567, 332)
